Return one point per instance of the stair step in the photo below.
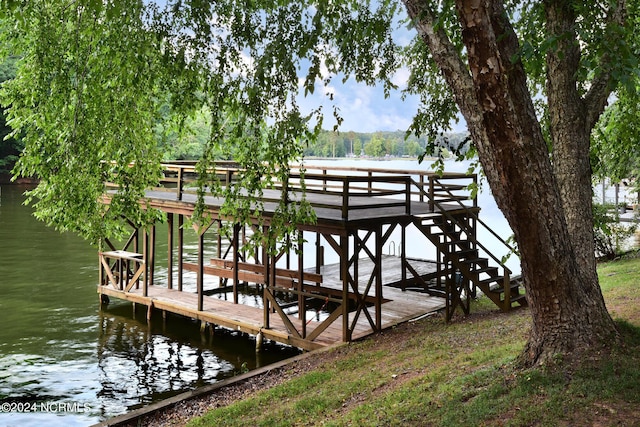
(479, 262)
(486, 269)
(451, 236)
(460, 243)
(488, 281)
(519, 299)
(465, 254)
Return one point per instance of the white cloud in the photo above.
(363, 108)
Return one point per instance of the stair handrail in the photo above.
(470, 212)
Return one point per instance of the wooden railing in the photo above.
(472, 234)
(385, 187)
(122, 269)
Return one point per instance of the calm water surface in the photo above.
(74, 364)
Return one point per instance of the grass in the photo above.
(429, 373)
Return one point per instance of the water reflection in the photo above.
(140, 364)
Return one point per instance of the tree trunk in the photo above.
(569, 315)
(572, 118)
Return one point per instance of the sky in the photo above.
(365, 109)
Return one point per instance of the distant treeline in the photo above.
(374, 145)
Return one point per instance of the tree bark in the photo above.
(568, 311)
(570, 134)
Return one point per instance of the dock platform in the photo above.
(363, 293)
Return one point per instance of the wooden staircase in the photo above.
(469, 265)
(466, 265)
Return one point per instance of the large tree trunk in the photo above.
(569, 315)
(572, 118)
(570, 135)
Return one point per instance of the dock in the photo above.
(305, 302)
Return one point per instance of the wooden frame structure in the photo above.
(365, 291)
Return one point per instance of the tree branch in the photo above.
(445, 54)
(596, 98)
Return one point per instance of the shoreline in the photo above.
(191, 403)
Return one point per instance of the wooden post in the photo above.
(378, 267)
(288, 253)
(180, 249)
(152, 253)
(236, 256)
(200, 278)
(344, 274)
(170, 251)
(407, 187)
(266, 288)
(179, 187)
(403, 257)
(302, 311)
(345, 199)
(145, 257)
(100, 266)
(318, 255)
(259, 340)
(219, 238)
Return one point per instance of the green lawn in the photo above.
(428, 373)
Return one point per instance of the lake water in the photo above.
(66, 362)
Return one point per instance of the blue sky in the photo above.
(364, 108)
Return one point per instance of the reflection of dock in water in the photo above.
(140, 364)
(363, 293)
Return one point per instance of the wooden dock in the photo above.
(365, 292)
(398, 306)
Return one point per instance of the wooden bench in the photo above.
(254, 273)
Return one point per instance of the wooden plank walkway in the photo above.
(391, 271)
(398, 306)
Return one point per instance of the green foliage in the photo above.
(615, 149)
(105, 84)
(377, 144)
(186, 139)
(609, 233)
(85, 93)
(102, 84)
(607, 49)
(10, 148)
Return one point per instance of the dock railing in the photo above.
(354, 186)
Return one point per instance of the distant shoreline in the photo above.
(381, 159)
